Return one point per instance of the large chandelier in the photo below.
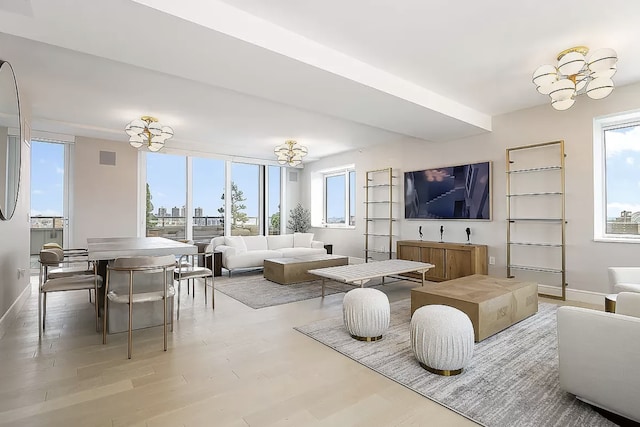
(147, 131)
(575, 74)
(290, 153)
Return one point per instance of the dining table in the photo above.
(104, 249)
(108, 248)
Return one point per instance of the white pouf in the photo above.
(366, 313)
(441, 339)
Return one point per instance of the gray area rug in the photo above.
(512, 379)
(255, 291)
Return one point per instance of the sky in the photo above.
(166, 175)
(47, 179)
(623, 170)
(335, 204)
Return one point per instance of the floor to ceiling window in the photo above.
(166, 196)
(245, 199)
(274, 181)
(48, 213)
(198, 211)
(207, 198)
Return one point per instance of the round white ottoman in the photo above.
(441, 339)
(366, 313)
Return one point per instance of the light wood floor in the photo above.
(234, 366)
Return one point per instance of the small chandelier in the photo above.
(576, 74)
(147, 131)
(290, 153)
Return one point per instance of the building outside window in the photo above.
(170, 205)
(165, 196)
(207, 198)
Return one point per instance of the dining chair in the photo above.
(53, 257)
(189, 270)
(182, 261)
(158, 270)
(74, 261)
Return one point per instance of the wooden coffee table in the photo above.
(294, 270)
(493, 304)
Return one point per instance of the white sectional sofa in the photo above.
(251, 251)
(598, 355)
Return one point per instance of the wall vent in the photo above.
(108, 158)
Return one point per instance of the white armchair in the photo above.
(624, 279)
(599, 355)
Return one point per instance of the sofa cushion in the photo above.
(236, 242)
(250, 259)
(281, 241)
(255, 243)
(302, 240)
(217, 241)
(296, 252)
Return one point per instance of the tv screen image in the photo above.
(454, 192)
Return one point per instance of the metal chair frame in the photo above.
(191, 272)
(151, 268)
(56, 258)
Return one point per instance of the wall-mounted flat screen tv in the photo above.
(453, 192)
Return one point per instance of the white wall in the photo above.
(104, 197)
(587, 261)
(292, 195)
(14, 244)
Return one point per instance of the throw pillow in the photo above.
(280, 241)
(255, 243)
(302, 240)
(236, 242)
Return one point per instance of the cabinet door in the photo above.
(458, 263)
(411, 253)
(435, 256)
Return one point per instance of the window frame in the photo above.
(228, 162)
(348, 207)
(600, 126)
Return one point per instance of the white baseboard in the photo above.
(578, 295)
(12, 312)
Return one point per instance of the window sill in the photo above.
(635, 240)
(337, 226)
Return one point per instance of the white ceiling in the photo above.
(238, 77)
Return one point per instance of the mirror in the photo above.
(10, 141)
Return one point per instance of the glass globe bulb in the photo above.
(565, 104)
(599, 88)
(544, 75)
(602, 59)
(562, 89)
(571, 63)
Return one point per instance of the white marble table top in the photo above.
(105, 248)
(361, 272)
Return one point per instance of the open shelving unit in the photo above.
(379, 207)
(536, 224)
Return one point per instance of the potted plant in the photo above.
(299, 220)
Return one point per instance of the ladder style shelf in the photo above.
(379, 214)
(536, 224)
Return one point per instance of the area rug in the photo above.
(512, 379)
(255, 291)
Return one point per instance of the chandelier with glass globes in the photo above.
(147, 131)
(577, 72)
